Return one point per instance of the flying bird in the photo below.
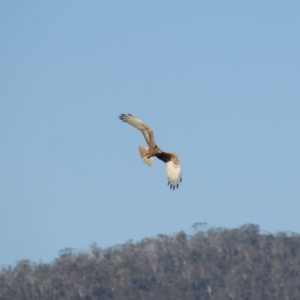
(173, 170)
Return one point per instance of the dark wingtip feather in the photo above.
(122, 117)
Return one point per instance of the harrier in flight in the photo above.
(170, 159)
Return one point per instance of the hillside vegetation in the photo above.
(216, 264)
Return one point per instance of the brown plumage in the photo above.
(173, 170)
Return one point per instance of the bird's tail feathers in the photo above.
(144, 153)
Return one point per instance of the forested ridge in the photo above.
(217, 264)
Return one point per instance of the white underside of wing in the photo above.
(173, 174)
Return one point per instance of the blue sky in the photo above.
(218, 82)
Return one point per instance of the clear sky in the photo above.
(217, 81)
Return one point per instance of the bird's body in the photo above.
(173, 170)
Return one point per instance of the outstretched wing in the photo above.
(140, 125)
(174, 174)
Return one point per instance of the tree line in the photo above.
(214, 264)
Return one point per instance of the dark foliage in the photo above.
(214, 264)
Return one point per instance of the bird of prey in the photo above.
(173, 170)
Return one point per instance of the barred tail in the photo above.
(144, 153)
